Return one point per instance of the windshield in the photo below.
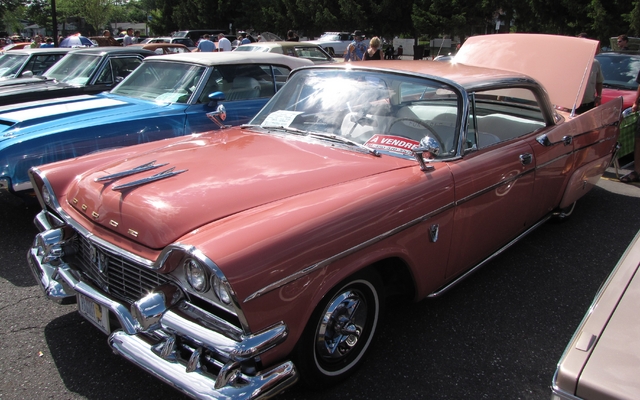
(10, 64)
(164, 82)
(248, 47)
(387, 112)
(75, 69)
(620, 71)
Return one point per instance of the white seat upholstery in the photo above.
(243, 87)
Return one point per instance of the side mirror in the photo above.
(214, 98)
(27, 74)
(429, 147)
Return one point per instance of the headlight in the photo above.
(196, 275)
(46, 196)
(221, 290)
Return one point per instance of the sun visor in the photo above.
(560, 63)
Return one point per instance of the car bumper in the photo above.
(157, 342)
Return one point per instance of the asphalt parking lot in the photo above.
(498, 335)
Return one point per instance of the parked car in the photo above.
(230, 263)
(602, 359)
(335, 43)
(82, 71)
(14, 46)
(620, 71)
(166, 96)
(196, 34)
(310, 51)
(28, 62)
(163, 48)
(177, 40)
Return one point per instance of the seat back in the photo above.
(243, 87)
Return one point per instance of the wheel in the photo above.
(432, 131)
(340, 331)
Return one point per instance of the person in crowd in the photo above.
(37, 41)
(292, 37)
(223, 43)
(136, 37)
(373, 52)
(245, 39)
(107, 33)
(205, 44)
(48, 43)
(623, 42)
(128, 38)
(634, 176)
(356, 49)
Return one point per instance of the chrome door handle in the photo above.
(526, 158)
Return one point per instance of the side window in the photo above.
(243, 82)
(41, 63)
(106, 75)
(505, 114)
(123, 66)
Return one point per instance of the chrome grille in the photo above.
(115, 274)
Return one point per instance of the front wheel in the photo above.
(340, 331)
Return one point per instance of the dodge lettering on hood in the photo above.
(232, 263)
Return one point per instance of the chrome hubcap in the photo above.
(341, 326)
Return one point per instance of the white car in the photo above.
(335, 43)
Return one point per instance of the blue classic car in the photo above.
(166, 96)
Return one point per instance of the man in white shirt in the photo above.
(223, 43)
(128, 38)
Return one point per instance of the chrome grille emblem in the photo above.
(98, 258)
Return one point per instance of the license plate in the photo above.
(95, 313)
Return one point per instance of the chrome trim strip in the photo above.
(141, 168)
(196, 384)
(343, 254)
(450, 285)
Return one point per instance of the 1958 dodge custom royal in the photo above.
(231, 263)
(166, 96)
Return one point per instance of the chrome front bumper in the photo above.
(149, 339)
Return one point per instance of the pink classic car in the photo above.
(234, 262)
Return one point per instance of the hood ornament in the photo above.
(136, 170)
(161, 175)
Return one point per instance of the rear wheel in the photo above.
(340, 331)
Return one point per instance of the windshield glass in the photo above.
(164, 82)
(620, 71)
(10, 64)
(75, 69)
(387, 112)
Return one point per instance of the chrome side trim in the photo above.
(493, 187)
(459, 279)
(343, 254)
(196, 384)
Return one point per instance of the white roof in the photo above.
(233, 57)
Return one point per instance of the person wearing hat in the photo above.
(356, 49)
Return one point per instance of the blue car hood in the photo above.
(64, 113)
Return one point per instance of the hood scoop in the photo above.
(136, 170)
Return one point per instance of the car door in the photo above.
(242, 102)
(494, 180)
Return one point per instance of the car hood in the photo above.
(63, 113)
(217, 174)
(564, 71)
(628, 96)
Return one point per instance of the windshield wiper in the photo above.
(342, 139)
(278, 128)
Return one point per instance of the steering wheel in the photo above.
(432, 131)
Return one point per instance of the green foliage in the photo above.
(600, 19)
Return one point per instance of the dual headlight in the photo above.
(198, 277)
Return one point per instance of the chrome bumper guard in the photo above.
(133, 342)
